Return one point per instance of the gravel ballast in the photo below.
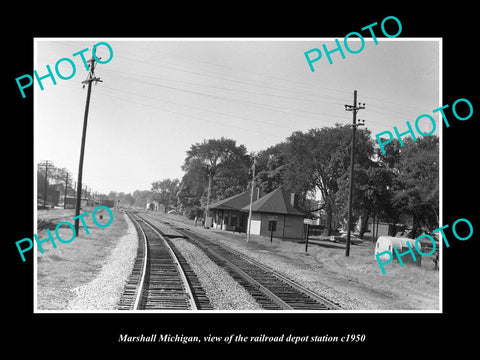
(223, 291)
(104, 292)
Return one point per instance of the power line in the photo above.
(155, 61)
(234, 68)
(218, 77)
(134, 77)
(263, 106)
(202, 109)
(257, 74)
(290, 111)
(291, 128)
(156, 65)
(269, 106)
(187, 115)
(403, 105)
(244, 102)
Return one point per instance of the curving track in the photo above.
(159, 277)
(273, 291)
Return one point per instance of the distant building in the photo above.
(381, 228)
(72, 201)
(155, 206)
(107, 203)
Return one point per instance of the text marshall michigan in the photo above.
(161, 338)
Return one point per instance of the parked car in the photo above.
(343, 239)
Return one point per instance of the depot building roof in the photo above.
(235, 202)
(278, 201)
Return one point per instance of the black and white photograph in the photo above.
(222, 189)
(224, 168)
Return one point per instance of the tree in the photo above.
(372, 195)
(192, 188)
(40, 183)
(271, 167)
(415, 181)
(165, 192)
(275, 168)
(122, 199)
(320, 157)
(417, 190)
(56, 176)
(140, 197)
(219, 162)
(127, 199)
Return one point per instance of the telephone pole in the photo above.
(209, 191)
(65, 195)
(90, 78)
(46, 163)
(354, 108)
(251, 200)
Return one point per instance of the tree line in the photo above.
(401, 184)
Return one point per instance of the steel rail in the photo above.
(186, 284)
(253, 282)
(330, 305)
(272, 296)
(256, 284)
(139, 294)
(289, 281)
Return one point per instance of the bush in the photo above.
(190, 213)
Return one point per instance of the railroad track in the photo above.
(161, 279)
(272, 290)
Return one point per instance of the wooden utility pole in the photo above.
(90, 78)
(251, 201)
(209, 191)
(306, 239)
(354, 108)
(46, 163)
(65, 195)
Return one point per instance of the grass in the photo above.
(75, 263)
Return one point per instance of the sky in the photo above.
(159, 96)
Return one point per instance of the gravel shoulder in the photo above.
(67, 275)
(104, 292)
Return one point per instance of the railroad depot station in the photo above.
(278, 211)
